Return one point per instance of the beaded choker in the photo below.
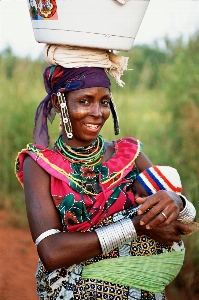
(89, 155)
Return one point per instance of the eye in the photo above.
(105, 102)
(133, 189)
(84, 102)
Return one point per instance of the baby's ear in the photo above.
(55, 103)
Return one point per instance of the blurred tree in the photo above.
(181, 84)
(7, 61)
(144, 66)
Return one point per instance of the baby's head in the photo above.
(157, 178)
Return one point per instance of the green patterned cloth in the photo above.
(151, 273)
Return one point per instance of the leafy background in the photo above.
(159, 105)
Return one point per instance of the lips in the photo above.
(92, 126)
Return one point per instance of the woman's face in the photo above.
(88, 111)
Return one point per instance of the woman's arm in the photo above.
(61, 249)
(143, 162)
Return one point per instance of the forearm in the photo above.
(67, 248)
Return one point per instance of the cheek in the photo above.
(79, 114)
(106, 113)
(76, 112)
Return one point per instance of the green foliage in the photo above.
(144, 68)
(17, 103)
(8, 60)
(182, 90)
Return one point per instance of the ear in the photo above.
(55, 103)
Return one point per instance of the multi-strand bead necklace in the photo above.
(86, 163)
(89, 155)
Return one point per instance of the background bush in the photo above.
(159, 105)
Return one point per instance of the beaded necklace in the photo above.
(89, 155)
(85, 163)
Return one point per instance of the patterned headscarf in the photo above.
(60, 79)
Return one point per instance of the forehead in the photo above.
(140, 189)
(90, 92)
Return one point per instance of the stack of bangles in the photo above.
(115, 235)
(189, 211)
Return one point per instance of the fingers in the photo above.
(177, 238)
(158, 209)
(147, 203)
(140, 200)
(183, 228)
(154, 219)
(158, 215)
(160, 198)
(166, 235)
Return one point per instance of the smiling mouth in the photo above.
(92, 126)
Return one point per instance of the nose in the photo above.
(96, 110)
(136, 195)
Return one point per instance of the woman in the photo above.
(82, 183)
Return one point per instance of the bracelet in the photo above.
(189, 211)
(115, 235)
(46, 234)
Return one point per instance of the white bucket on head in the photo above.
(104, 24)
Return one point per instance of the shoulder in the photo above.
(27, 160)
(32, 150)
(134, 146)
(121, 147)
(32, 172)
(129, 143)
(127, 139)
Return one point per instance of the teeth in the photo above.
(91, 126)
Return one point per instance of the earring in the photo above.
(65, 115)
(115, 116)
(60, 121)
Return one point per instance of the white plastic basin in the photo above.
(104, 24)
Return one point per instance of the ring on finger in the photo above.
(164, 215)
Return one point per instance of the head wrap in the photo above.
(60, 79)
(158, 178)
(76, 57)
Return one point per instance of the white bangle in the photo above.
(115, 235)
(189, 211)
(46, 234)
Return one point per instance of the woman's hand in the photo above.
(168, 234)
(165, 235)
(159, 209)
